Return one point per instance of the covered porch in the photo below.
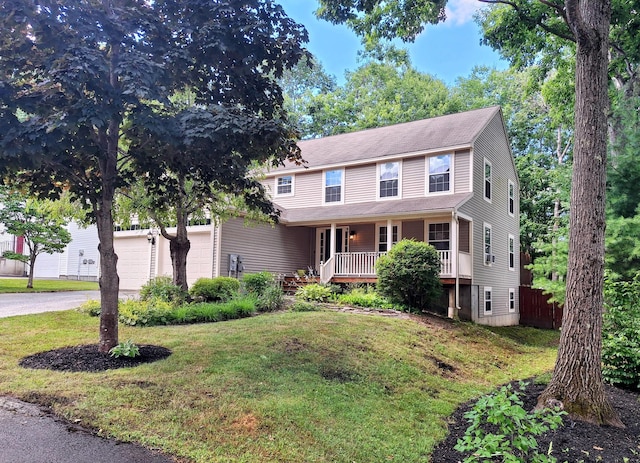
(349, 252)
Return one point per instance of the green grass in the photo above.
(285, 387)
(19, 285)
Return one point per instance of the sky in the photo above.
(447, 51)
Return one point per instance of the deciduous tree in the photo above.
(77, 78)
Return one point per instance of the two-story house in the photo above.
(449, 181)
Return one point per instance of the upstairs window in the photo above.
(388, 180)
(440, 173)
(488, 256)
(487, 180)
(333, 183)
(512, 198)
(439, 236)
(284, 185)
(512, 252)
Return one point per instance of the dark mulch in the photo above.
(88, 358)
(572, 443)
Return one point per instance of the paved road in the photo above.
(26, 303)
(29, 435)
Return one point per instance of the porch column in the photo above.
(332, 248)
(389, 234)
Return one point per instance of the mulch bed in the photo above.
(87, 358)
(575, 442)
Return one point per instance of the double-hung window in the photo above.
(488, 300)
(333, 186)
(512, 198)
(439, 173)
(488, 256)
(383, 237)
(512, 252)
(488, 178)
(284, 185)
(389, 180)
(439, 236)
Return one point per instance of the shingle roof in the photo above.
(452, 130)
(373, 209)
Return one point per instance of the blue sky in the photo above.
(447, 51)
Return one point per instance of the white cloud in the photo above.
(461, 11)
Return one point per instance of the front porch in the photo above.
(360, 266)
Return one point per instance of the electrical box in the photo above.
(235, 265)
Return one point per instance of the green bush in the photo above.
(90, 307)
(314, 292)
(163, 288)
(145, 313)
(361, 297)
(621, 334)
(219, 289)
(409, 274)
(514, 429)
(125, 349)
(268, 293)
(215, 312)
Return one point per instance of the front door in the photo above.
(324, 242)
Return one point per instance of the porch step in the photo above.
(291, 283)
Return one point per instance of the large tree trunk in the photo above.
(577, 378)
(179, 247)
(109, 280)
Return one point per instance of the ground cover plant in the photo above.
(18, 285)
(323, 386)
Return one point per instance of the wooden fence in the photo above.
(537, 311)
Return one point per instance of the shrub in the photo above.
(515, 430)
(268, 293)
(314, 292)
(145, 313)
(409, 274)
(621, 334)
(90, 307)
(163, 288)
(214, 289)
(361, 297)
(215, 312)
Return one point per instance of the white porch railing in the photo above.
(363, 264)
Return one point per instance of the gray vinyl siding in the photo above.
(360, 184)
(307, 189)
(413, 177)
(462, 171)
(492, 145)
(276, 249)
(365, 239)
(413, 230)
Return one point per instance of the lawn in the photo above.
(318, 386)
(19, 285)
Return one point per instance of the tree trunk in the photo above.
(179, 247)
(32, 266)
(577, 378)
(109, 280)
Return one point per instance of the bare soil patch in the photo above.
(575, 441)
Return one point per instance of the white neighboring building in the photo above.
(79, 261)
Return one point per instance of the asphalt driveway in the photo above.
(26, 303)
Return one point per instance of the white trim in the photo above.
(487, 257)
(487, 289)
(324, 187)
(427, 174)
(511, 240)
(512, 291)
(484, 180)
(293, 184)
(511, 186)
(378, 180)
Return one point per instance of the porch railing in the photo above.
(363, 264)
